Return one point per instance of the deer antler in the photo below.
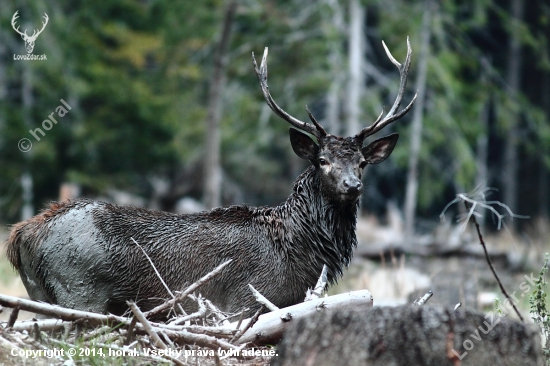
(392, 115)
(43, 26)
(316, 129)
(24, 34)
(35, 34)
(13, 19)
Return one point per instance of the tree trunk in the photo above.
(26, 181)
(482, 174)
(409, 335)
(332, 121)
(543, 170)
(513, 79)
(356, 56)
(416, 127)
(213, 172)
(3, 84)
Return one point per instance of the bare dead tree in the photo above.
(213, 178)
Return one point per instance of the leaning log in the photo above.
(409, 336)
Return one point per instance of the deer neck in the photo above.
(326, 230)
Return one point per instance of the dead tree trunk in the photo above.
(213, 179)
(513, 79)
(332, 119)
(543, 170)
(482, 148)
(27, 210)
(356, 59)
(416, 128)
(409, 335)
(3, 84)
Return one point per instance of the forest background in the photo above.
(165, 103)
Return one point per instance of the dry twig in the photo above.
(490, 263)
(13, 316)
(262, 300)
(161, 308)
(146, 325)
(319, 286)
(185, 337)
(196, 315)
(130, 334)
(252, 321)
(56, 311)
(157, 273)
(421, 301)
(471, 201)
(477, 198)
(154, 268)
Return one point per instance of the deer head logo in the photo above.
(29, 40)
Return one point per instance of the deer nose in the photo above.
(352, 186)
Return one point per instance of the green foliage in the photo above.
(540, 311)
(498, 307)
(137, 76)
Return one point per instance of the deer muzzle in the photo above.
(352, 186)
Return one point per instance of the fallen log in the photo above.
(55, 311)
(43, 324)
(409, 335)
(270, 326)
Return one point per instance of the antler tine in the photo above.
(43, 25)
(317, 125)
(392, 115)
(316, 130)
(379, 117)
(390, 56)
(13, 20)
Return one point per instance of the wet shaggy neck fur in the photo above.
(80, 254)
(324, 229)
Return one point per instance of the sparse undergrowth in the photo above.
(204, 337)
(539, 308)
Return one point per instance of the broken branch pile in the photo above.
(207, 330)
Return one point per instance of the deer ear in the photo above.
(303, 145)
(377, 151)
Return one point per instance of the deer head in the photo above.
(29, 40)
(341, 160)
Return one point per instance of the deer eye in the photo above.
(323, 161)
(363, 164)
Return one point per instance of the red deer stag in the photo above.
(80, 254)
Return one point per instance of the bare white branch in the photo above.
(319, 286)
(423, 299)
(478, 199)
(262, 300)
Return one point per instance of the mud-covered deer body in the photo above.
(81, 254)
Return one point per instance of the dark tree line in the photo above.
(139, 78)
